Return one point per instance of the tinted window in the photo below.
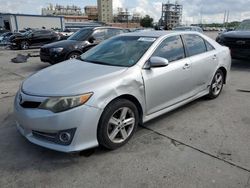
(100, 34)
(209, 46)
(195, 44)
(171, 49)
(80, 35)
(113, 32)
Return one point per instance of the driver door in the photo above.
(166, 86)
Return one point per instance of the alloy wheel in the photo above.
(121, 125)
(217, 83)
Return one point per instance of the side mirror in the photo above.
(91, 39)
(156, 61)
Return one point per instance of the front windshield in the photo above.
(122, 51)
(244, 26)
(80, 35)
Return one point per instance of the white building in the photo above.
(105, 11)
(16, 22)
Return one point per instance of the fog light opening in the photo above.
(64, 137)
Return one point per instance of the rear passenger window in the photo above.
(209, 46)
(195, 44)
(171, 49)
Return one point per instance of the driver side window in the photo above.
(100, 34)
(171, 49)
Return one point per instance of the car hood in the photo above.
(71, 77)
(237, 34)
(63, 43)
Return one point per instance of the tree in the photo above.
(147, 21)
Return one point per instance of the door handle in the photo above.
(186, 66)
(215, 57)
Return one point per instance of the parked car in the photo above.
(76, 44)
(238, 40)
(100, 98)
(33, 38)
(188, 28)
(4, 36)
(65, 34)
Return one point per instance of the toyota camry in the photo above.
(101, 97)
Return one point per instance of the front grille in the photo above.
(236, 42)
(44, 50)
(30, 104)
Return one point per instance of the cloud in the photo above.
(211, 10)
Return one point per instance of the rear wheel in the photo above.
(24, 45)
(117, 124)
(216, 85)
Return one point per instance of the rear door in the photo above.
(166, 86)
(203, 61)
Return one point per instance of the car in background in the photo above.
(32, 38)
(76, 44)
(65, 34)
(188, 28)
(238, 40)
(4, 36)
(101, 97)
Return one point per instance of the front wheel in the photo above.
(216, 85)
(74, 55)
(117, 124)
(24, 45)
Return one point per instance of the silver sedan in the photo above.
(101, 98)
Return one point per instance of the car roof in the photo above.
(100, 27)
(149, 33)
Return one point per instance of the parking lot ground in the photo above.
(203, 144)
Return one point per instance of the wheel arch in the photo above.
(134, 100)
(75, 50)
(224, 70)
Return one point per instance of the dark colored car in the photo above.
(76, 44)
(188, 28)
(238, 41)
(32, 38)
(5, 36)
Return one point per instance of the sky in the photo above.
(194, 11)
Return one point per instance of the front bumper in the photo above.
(83, 118)
(50, 57)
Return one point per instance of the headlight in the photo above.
(58, 50)
(60, 104)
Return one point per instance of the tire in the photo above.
(73, 55)
(113, 131)
(216, 85)
(24, 45)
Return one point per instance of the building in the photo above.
(62, 10)
(171, 15)
(105, 11)
(71, 13)
(16, 22)
(91, 12)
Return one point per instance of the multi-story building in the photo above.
(105, 11)
(171, 15)
(91, 12)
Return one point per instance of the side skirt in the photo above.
(173, 107)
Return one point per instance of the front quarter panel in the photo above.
(129, 82)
